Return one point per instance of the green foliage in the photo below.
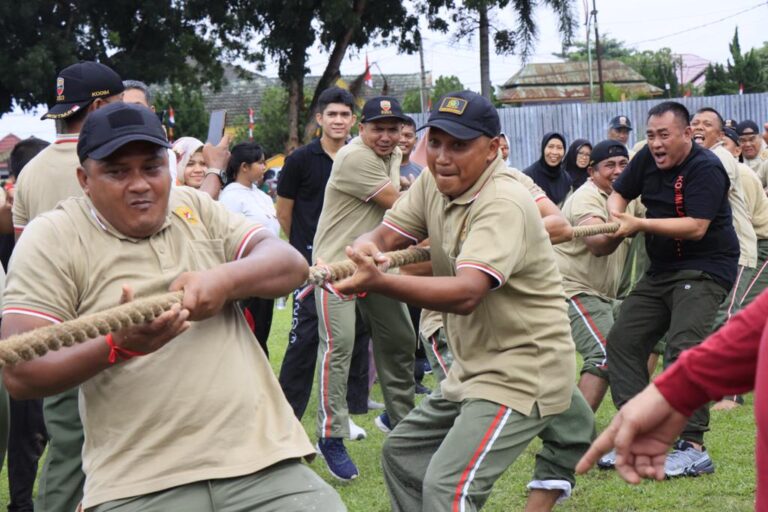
(271, 124)
(746, 69)
(152, 41)
(191, 118)
(718, 81)
(443, 85)
(611, 49)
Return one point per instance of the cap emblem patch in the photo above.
(386, 107)
(453, 105)
(60, 88)
(622, 121)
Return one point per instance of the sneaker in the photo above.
(382, 421)
(607, 461)
(427, 367)
(421, 389)
(685, 460)
(356, 433)
(337, 459)
(373, 405)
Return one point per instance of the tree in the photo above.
(191, 119)
(610, 48)
(443, 85)
(746, 69)
(183, 40)
(475, 15)
(718, 81)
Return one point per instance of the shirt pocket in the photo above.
(206, 254)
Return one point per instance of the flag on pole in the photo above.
(368, 78)
(741, 89)
(171, 123)
(250, 123)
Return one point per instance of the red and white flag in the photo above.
(171, 123)
(368, 78)
(741, 89)
(250, 123)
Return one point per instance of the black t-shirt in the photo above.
(303, 179)
(697, 188)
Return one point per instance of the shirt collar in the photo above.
(473, 192)
(61, 138)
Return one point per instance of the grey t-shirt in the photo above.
(410, 169)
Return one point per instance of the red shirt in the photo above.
(732, 361)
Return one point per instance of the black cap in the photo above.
(746, 125)
(620, 122)
(79, 84)
(382, 107)
(109, 128)
(465, 115)
(730, 123)
(607, 149)
(731, 134)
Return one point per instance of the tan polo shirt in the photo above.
(762, 173)
(757, 201)
(205, 406)
(50, 177)
(582, 271)
(515, 348)
(741, 223)
(431, 321)
(357, 175)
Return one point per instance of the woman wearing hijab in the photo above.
(577, 161)
(547, 171)
(190, 169)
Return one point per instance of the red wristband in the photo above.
(115, 351)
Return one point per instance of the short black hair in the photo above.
(677, 109)
(408, 121)
(711, 110)
(137, 84)
(23, 152)
(335, 95)
(243, 153)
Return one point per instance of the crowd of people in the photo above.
(185, 413)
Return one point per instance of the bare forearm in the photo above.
(271, 269)
(447, 294)
(211, 185)
(558, 228)
(602, 245)
(284, 209)
(57, 371)
(617, 203)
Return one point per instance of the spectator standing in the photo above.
(409, 170)
(245, 172)
(191, 167)
(577, 162)
(547, 172)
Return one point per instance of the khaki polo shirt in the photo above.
(515, 348)
(431, 321)
(762, 173)
(205, 406)
(582, 271)
(50, 177)
(741, 223)
(357, 175)
(757, 201)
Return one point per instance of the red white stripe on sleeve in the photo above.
(394, 227)
(32, 312)
(539, 197)
(246, 239)
(377, 191)
(484, 268)
(18, 229)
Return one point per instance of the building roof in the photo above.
(244, 89)
(569, 82)
(6, 145)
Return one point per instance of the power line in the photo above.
(761, 4)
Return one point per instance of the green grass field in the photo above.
(731, 444)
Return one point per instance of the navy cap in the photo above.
(731, 134)
(79, 84)
(747, 125)
(620, 122)
(607, 149)
(465, 115)
(382, 107)
(108, 129)
(730, 123)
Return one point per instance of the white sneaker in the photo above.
(356, 433)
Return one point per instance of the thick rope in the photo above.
(36, 343)
(321, 274)
(594, 229)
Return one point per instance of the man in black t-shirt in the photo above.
(300, 193)
(694, 254)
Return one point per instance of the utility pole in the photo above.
(423, 88)
(597, 50)
(589, 60)
(485, 65)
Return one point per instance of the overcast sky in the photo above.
(700, 27)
